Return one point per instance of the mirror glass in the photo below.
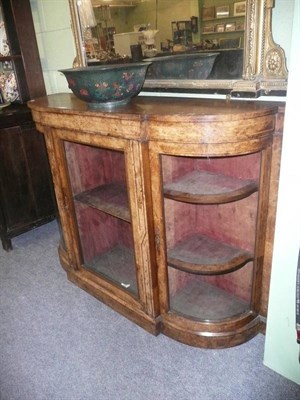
(213, 45)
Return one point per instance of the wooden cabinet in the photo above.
(26, 198)
(182, 32)
(165, 209)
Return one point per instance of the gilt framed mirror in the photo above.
(234, 36)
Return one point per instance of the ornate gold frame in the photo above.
(264, 69)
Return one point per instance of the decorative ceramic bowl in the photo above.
(182, 66)
(106, 86)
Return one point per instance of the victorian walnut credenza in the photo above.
(167, 209)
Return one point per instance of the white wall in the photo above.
(282, 24)
(281, 348)
(52, 24)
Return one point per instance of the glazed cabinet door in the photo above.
(101, 197)
(210, 218)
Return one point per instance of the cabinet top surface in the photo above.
(159, 108)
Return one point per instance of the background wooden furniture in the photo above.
(228, 29)
(26, 198)
(182, 32)
(165, 209)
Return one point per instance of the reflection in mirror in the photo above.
(174, 24)
(213, 45)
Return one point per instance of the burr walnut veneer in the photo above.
(167, 209)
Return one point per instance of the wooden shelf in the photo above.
(223, 18)
(109, 198)
(202, 255)
(207, 302)
(204, 187)
(118, 265)
(10, 58)
(222, 33)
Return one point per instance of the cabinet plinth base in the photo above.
(210, 339)
(7, 237)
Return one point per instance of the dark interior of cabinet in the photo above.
(210, 209)
(98, 182)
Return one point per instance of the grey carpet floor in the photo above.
(58, 342)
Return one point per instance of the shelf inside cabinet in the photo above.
(10, 57)
(223, 32)
(230, 17)
(200, 254)
(207, 302)
(204, 187)
(109, 198)
(118, 265)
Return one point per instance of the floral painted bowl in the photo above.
(109, 85)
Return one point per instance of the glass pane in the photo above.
(98, 182)
(8, 82)
(207, 238)
(4, 46)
